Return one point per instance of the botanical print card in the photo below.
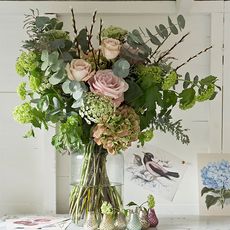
(214, 184)
(156, 170)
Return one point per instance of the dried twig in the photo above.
(75, 32)
(168, 52)
(99, 39)
(191, 58)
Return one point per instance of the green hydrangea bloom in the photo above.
(27, 62)
(95, 108)
(187, 106)
(206, 94)
(23, 113)
(170, 81)
(106, 208)
(34, 83)
(151, 201)
(21, 90)
(150, 74)
(114, 32)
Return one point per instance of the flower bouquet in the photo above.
(103, 95)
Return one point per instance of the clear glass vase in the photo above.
(95, 177)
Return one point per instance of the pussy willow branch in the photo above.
(168, 52)
(99, 35)
(191, 58)
(75, 31)
(90, 35)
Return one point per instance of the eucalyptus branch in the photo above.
(191, 58)
(99, 39)
(75, 31)
(176, 44)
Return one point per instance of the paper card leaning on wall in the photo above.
(156, 170)
(214, 184)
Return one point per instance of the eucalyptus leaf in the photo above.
(40, 22)
(77, 94)
(53, 57)
(45, 55)
(159, 32)
(77, 104)
(208, 80)
(138, 35)
(66, 87)
(172, 27)
(181, 21)
(121, 68)
(195, 80)
(186, 81)
(153, 38)
(57, 44)
(164, 30)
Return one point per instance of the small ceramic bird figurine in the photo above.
(155, 169)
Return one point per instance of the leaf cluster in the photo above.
(214, 197)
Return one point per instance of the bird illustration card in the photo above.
(214, 184)
(156, 170)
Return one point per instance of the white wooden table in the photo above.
(181, 223)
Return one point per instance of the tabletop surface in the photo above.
(180, 223)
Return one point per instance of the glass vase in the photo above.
(95, 177)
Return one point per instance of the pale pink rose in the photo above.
(105, 83)
(79, 70)
(110, 48)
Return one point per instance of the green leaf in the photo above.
(206, 190)
(56, 78)
(131, 204)
(83, 40)
(53, 57)
(159, 31)
(187, 96)
(164, 30)
(40, 22)
(181, 21)
(227, 194)
(57, 44)
(213, 96)
(133, 92)
(186, 81)
(195, 80)
(172, 27)
(29, 133)
(169, 98)
(208, 80)
(59, 26)
(211, 200)
(153, 38)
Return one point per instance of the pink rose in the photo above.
(79, 70)
(105, 83)
(110, 48)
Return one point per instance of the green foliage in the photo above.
(170, 80)
(69, 135)
(23, 113)
(145, 136)
(21, 90)
(106, 208)
(151, 201)
(27, 62)
(165, 124)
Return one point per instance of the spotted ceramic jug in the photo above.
(134, 222)
(91, 222)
